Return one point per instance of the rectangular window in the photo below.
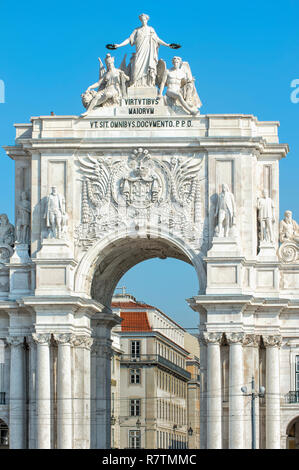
(135, 376)
(134, 439)
(135, 349)
(135, 407)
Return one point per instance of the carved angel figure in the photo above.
(180, 85)
(111, 87)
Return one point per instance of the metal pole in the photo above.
(253, 413)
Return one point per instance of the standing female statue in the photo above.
(146, 57)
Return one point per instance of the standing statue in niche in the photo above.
(145, 60)
(288, 229)
(180, 85)
(266, 217)
(7, 231)
(111, 87)
(54, 213)
(23, 219)
(225, 212)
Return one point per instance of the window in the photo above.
(3, 435)
(134, 439)
(135, 376)
(135, 407)
(135, 348)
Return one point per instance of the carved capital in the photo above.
(211, 337)
(252, 340)
(42, 338)
(272, 341)
(235, 338)
(64, 338)
(82, 341)
(15, 341)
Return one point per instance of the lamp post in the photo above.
(253, 396)
(190, 433)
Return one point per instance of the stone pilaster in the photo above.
(236, 399)
(43, 390)
(214, 402)
(17, 392)
(272, 344)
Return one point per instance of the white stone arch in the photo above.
(106, 250)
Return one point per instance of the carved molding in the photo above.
(211, 337)
(272, 341)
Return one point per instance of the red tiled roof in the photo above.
(134, 321)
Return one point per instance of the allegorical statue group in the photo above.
(143, 70)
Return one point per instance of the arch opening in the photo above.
(293, 434)
(4, 435)
(119, 256)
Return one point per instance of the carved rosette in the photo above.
(252, 340)
(235, 338)
(42, 338)
(289, 252)
(272, 341)
(15, 341)
(212, 337)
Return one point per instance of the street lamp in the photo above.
(253, 396)
(190, 431)
(138, 424)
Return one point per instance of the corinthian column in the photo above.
(236, 399)
(17, 396)
(64, 392)
(43, 390)
(272, 344)
(102, 358)
(81, 393)
(214, 402)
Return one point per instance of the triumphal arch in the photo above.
(142, 174)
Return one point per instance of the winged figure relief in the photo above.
(184, 175)
(97, 178)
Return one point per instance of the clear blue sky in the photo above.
(244, 56)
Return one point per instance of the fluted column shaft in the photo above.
(64, 392)
(214, 402)
(43, 390)
(17, 393)
(236, 399)
(272, 344)
(203, 393)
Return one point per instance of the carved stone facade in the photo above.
(136, 179)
